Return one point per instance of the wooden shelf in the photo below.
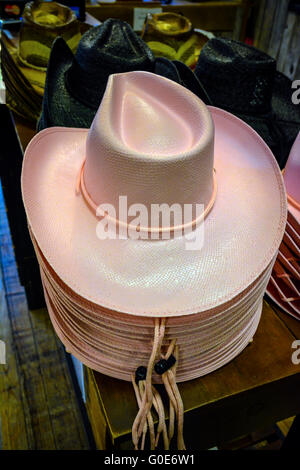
(225, 16)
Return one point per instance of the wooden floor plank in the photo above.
(9, 268)
(10, 272)
(62, 403)
(38, 405)
(35, 399)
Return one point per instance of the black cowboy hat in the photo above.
(75, 84)
(243, 80)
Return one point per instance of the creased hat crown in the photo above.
(152, 140)
(114, 41)
(237, 76)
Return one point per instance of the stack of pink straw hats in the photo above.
(284, 286)
(176, 299)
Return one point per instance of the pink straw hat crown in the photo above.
(152, 148)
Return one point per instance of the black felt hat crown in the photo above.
(244, 81)
(111, 48)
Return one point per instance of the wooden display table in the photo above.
(255, 390)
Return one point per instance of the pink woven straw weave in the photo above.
(109, 343)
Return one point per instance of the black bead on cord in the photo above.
(140, 374)
(164, 364)
(160, 368)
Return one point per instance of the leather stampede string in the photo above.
(148, 397)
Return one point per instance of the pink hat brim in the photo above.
(158, 277)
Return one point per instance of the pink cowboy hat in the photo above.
(118, 303)
(155, 142)
(284, 286)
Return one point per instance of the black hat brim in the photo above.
(60, 108)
